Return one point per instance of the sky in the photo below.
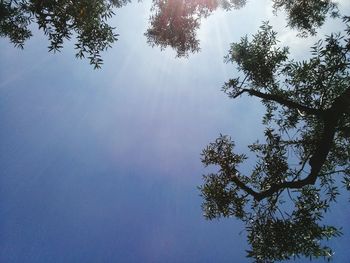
(103, 165)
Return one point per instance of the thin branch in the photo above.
(302, 167)
(282, 101)
(334, 172)
(246, 76)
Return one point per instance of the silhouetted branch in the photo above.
(281, 100)
(323, 146)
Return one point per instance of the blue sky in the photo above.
(102, 166)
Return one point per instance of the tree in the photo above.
(306, 16)
(173, 23)
(60, 20)
(307, 147)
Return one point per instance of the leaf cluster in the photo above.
(86, 20)
(307, 16)
(175, 23)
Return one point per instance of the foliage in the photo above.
(175, 22)
(306, 16)
(60, 20)
(307, 128)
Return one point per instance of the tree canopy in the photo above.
(172, 23)
(305, 154)
(87, 20)
(175, 23)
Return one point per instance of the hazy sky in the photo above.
(103, 165)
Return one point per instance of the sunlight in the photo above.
(107, 164)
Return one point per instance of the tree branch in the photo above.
(282, 101)
(318, 158)
(330, 118)
(316, 162)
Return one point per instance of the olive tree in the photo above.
(303, 163)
